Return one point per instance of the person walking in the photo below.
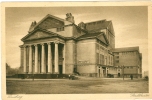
(69, 76)
(131, 76)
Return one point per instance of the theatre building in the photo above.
(59, 46)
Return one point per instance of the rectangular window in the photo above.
(116, 53)
(97, 46)
(117, 61)
(109, 59)
(60, 29)
(97, 58)
(100, 59)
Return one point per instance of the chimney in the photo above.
(69, 17)
(81, 25)
(33, 24)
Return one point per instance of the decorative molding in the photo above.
(42, 44)
(48, 43)
(35, 45)
(56, 42)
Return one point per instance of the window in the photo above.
(97, 46)
(116, 53)
(100, 59)
(60, 29)
(109, 59)
(117, 61)
(97, 58)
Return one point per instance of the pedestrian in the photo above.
(131, 76)
(69, 77)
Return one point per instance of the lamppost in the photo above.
(106, 66)
(33, 70)
(123, 71)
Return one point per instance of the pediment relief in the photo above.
(38, 35)
(102, 38)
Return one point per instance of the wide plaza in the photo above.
(80, 86)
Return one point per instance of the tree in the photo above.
(11, 71)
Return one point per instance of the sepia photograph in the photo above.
(76, 50)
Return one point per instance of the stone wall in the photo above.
(86, 56)
(69, 56)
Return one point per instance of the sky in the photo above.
(130, 25)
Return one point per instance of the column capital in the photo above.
(35, 45)
(24, 46)
(49, 43)
(56, 42)
(29, 45)
(42, 44)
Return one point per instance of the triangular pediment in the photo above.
(103, 38)
(38, 34)
(49, 22)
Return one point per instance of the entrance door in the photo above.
(60, 69)
(118, 74)
(99, 72)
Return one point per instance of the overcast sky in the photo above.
(130, 26)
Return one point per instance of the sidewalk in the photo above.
(19, 79)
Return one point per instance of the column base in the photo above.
(36, 73)
(49, 73)
(42, 73)
(30, 73)
(56, 73)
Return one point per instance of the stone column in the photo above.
(64, 59)
(43, 59)
(49, 58)
(24, 59)
(56, 60)
(30, 58)
(101, 72)
(106, 71)
(36, 59)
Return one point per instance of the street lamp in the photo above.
(123, 71)
(33, 70)
(106, 66)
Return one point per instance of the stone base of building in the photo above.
(89, 74)
(128, 76)
(40, 76)
(61, 76)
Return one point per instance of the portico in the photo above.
(47, 57)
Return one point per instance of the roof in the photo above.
(125, 49)
(95, 21)
(103, 25)
(48, 15)
(99, 35)
(89, 35)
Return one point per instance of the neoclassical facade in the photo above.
(58, 46)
